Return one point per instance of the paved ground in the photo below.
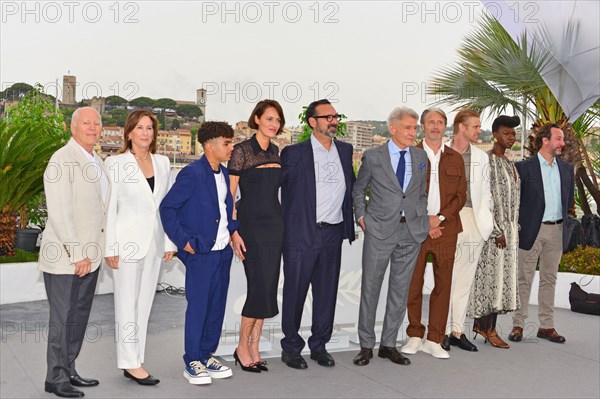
(530, 369)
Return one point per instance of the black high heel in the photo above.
(252, 367)
(262, 365)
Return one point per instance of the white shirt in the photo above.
(330, 182)
(222, 239)
(433, 196)
(97, 174)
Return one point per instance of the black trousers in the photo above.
(318, 267)
(70, 298)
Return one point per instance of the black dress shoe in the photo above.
(323, 358)
(390, 352)
(362, 358)
(63, 389)
(293, 360)
(78, 381)
(149, 380)
(463, 343)
(446, 343)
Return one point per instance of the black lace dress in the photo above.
(261, 224)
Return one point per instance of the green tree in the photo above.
(31, 133)
(165, 103)
(118, 116)
(161, 120)
(67, 113)
(307, 130)
(175, 124)
(188, 111)
(143, 102)
(16, 91)
(494, 74)
(115, 101)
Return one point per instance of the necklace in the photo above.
(141, 159)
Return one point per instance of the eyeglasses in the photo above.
(329, 118)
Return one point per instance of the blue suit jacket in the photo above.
(299, 193)
(190, 210)
(533, 202)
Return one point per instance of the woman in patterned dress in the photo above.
(494, 288)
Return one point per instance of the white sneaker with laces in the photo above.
(196, 373)
(435, 350)
(413, 345)
(217, 370)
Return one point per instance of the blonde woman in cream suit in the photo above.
(136, 243)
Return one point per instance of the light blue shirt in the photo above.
(395, 157)
(330, 182)
(551, 181)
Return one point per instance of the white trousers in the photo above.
(468, 249)
(134, 286)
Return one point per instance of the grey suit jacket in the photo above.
(386, 199)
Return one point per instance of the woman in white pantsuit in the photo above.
(135, 240)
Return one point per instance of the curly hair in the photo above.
(213, 130)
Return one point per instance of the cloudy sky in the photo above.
(367, 56)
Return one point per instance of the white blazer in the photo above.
(76, 212)
(481, 193)
(133, 213)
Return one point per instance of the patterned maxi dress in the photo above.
(495, 285)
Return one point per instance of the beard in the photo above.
(331, 131)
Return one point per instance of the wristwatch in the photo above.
(441, 217)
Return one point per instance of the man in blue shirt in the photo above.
(547, 193)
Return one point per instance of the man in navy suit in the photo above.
(547, 191)
(316, 197)
(197, 216)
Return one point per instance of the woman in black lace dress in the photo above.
(255, 167)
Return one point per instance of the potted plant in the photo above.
(29, 135)
(32, 221)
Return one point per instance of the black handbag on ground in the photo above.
(582, 302)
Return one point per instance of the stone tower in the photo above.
(69, 85)
(201, 102)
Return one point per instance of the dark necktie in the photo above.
(401, 169)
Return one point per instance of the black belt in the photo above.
(323, 225)
(557, 222)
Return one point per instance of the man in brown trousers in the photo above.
(446, 195)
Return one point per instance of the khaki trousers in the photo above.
(547, 248)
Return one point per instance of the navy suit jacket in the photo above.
(190, 210)
(533, 202)
(299, 193)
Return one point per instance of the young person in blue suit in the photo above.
(197, 216)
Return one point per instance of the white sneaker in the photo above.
(413, 345)
(434, 350)
(217, 370)
(196, 374)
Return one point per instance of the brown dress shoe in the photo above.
(551, 335)
(362, 358)
(516, 334)
(389, 352)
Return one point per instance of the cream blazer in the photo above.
(133, 216)
(76, 211)
(481, 193)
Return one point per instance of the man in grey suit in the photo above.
(395, 223)
(77, 192)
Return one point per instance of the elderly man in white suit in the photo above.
(77, 194)
(136, 243)
(477, 220)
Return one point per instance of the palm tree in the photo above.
(494, 73)
(28, 137)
